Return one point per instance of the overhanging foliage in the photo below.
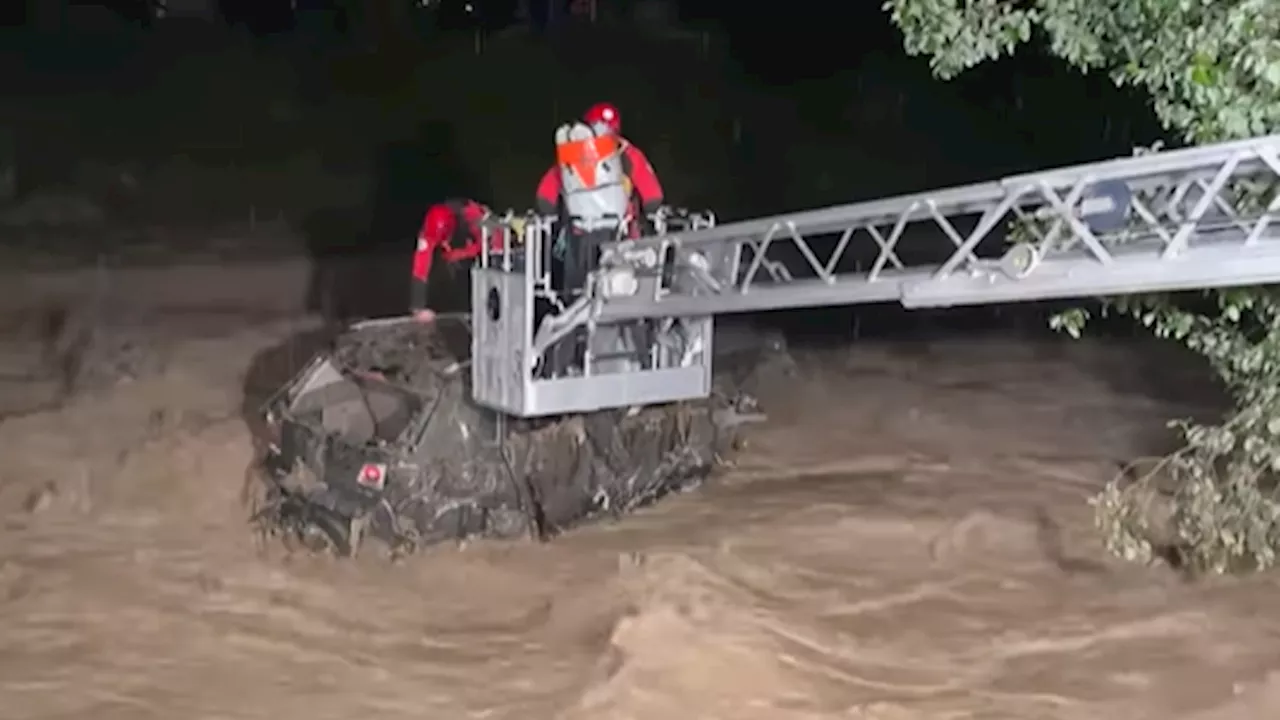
(1212, 70)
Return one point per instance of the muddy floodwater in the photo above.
(906, 537)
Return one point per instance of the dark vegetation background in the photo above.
(334, 127)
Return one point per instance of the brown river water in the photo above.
(906, 537)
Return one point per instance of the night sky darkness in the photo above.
(797, 85)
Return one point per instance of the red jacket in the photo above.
(646, 187)
(458, 237)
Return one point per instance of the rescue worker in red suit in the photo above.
(451, 228)
(600, 188)
(646, 190)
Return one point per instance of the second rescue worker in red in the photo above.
(452, 228)
(645, 186)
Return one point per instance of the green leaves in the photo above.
(1212, 69)
(1071, 322)
(1271, 74)
(958, 36)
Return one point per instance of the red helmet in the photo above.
(439, 224)
(604, 113)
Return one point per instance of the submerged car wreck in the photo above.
(379, 437)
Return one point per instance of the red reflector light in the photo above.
(372, 475)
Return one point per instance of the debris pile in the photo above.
(378, 437)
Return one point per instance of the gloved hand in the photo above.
(518, 225)
(560, 246)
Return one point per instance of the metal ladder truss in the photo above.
(1190, 218)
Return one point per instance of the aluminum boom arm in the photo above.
(641, 330)
(1191, 218)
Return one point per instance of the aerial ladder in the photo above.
(1201, 217)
